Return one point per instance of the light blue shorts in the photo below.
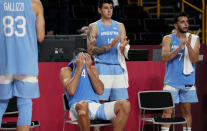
(182, 94)
(103, 111)
(24, 86)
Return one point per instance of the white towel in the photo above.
(122, 62)
(188, 67)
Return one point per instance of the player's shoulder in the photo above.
(93, 25)
(120, 24)
(36, 2)
(169, 37)
(66, 69)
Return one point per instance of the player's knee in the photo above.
(82, 108)
(124, 106)
(23, 102)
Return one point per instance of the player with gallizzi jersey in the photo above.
(21, 26)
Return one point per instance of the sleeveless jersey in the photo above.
(174, 69)
(18, 42)
(85, 90)
(105, 34)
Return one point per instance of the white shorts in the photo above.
(24, 86)
(99, 111)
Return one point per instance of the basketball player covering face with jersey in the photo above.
(105, 38)
(21, 26)
(180, 84)
(82, 86)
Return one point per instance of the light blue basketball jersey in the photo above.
(85, 90)
(18, 42)
(174, 69)
(105, 34)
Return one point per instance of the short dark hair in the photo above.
(182, 14)
(101, 2)
(78, 50)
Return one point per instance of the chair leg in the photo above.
(139, 120)
(143, 120)
(157, 127)
(143, 125)
(64, 121)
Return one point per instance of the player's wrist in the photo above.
(79, 69)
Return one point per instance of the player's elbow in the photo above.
(100, 90)
(40, 38)
(70, 92)
(164, 58)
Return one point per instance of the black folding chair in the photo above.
(157, 100)
(93, 123)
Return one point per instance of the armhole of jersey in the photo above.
(171, 35)
(96, 23)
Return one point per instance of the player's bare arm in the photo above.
(193, 52)
(168, 55)
(124, 41)
(91, 41)
(40, 21)
(70, 83)
(93, 75)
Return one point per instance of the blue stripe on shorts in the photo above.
(106, 69)
(114, 94)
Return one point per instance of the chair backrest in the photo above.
(155, 100)
(65, 103)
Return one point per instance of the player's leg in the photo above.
(122, 110)
(5, 93)
(186, 113)
(117, 111)
(82, 111)
(25, 88)
(167, 113)
(24, 106)
(188, 96)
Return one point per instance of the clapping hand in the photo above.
(114, 41)
(123, 43)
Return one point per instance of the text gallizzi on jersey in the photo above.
(12, 6)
